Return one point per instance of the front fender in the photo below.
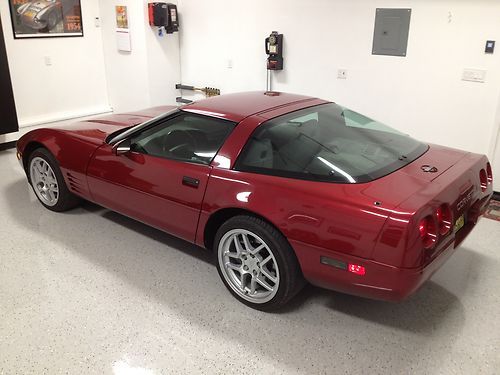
(73, 155)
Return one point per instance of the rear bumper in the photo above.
(381, 281)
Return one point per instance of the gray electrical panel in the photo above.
(392, 27)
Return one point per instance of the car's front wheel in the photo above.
(48, 183)
(256, 263)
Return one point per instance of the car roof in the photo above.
(236, 107)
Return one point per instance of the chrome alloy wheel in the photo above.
(44, 181)
(248, 266)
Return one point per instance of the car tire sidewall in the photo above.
(281, 250)
(65, 199)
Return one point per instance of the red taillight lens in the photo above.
(489, 173)
(428, 231)
(444, 219)
(357, 269)
(484, 179)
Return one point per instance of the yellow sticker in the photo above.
(459, 223)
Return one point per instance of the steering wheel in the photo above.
(179, 142)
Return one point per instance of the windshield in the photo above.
(328, 143)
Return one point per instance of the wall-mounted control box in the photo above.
(392, 27)
(164, 15)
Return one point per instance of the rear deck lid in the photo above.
(433, 163)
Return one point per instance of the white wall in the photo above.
(146, 76)
(422, 94)
(74, 85)
(126, 71)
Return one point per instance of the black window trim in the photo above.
(166, 117)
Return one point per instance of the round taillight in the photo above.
(444, 219)
(489, 173)
(484, 179)
(428, 231)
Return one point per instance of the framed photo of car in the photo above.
(46, 18)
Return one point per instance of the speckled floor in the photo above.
(93, 292)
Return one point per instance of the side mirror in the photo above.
(122, 147)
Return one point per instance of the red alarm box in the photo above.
(164, 15)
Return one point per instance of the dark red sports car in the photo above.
(284, 188)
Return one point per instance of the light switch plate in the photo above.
(342, 74)
(474, 75)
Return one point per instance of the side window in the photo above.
(187, 137)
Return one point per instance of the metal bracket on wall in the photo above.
(181, 100)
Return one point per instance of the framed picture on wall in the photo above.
(46, 18)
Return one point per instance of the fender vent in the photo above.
(74, 183)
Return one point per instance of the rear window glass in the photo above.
(327, 143)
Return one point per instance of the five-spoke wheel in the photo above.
(248, 265)
(256, 263)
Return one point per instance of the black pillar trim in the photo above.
(8, 115)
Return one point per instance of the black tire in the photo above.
(291, 280)
(66, 200)
(52, 20)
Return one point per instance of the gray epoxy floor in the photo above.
(93, 292)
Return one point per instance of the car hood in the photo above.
(96, 130)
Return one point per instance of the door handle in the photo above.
(190, 181)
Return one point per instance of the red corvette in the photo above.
(284, 188)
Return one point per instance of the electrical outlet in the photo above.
(342, 74)
(47, 60)
(474, 75)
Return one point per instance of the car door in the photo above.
(161, 175)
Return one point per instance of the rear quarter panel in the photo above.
(325, 215)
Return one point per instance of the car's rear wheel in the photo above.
(256, 263)
(48, 183)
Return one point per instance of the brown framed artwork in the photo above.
(46, 18)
